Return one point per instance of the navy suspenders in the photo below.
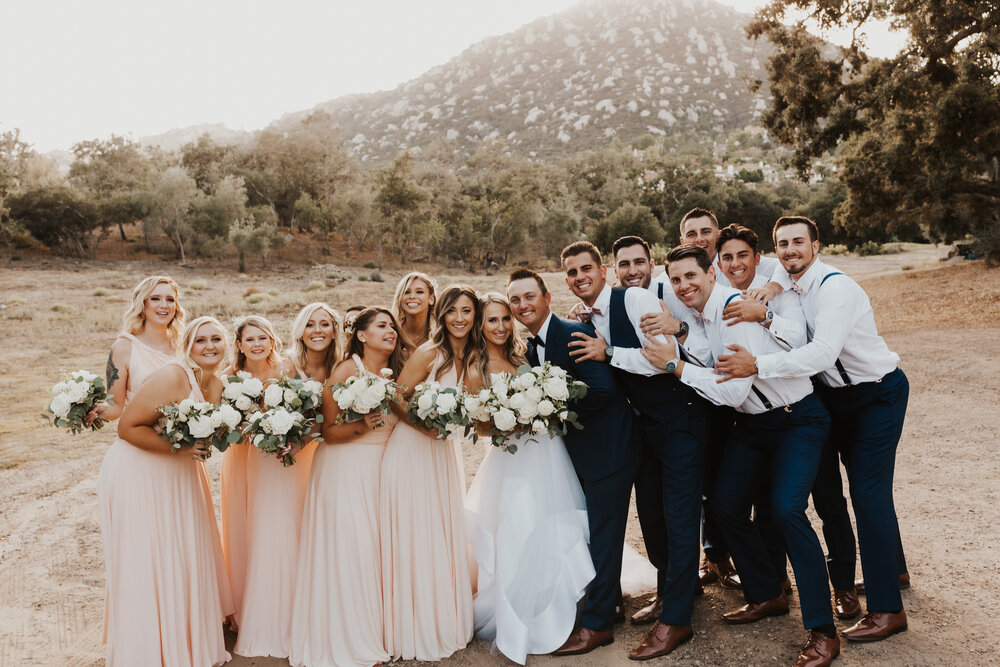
(659, 291)
(840, 366)
(760, 395)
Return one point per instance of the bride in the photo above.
(528, 523)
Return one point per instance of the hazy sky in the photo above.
(80, 70)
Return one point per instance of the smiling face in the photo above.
(498, 324)
(738, 262)
(691, 283)
(209, 347)
(585, 276)
(255, 343)
(530, 306)
(795, 250)
(702, 232)
(459, 318)
(416, 299)
(633, 267)
(380, 335)
(160, 306)
(320, 330)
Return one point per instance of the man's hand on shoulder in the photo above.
(584, 347)
(744, 310)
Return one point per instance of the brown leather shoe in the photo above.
(728, 577)
(750, 612)
(706, 573)
(584, 640)
(875, 626)
(661, 640)
(650, 612)
(904, 583)
(846, 604)
(819, 651)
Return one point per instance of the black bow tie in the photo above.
(536, 340)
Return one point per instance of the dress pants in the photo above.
(607, 514)
(720, 423)
(668, 498)
(784, 444)
(868, 422)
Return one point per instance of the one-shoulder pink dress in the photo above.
(337, 613)
(426, 587)
(167, 589)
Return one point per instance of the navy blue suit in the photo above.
(606, 457)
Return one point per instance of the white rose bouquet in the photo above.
(73, 398)
(438, 408)
(491, 416)
(291, 411)
(242, 392)
(363, 394)
(185, 422)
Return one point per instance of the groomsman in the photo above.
(779, 434)
(634, 268)
(700, 227)
(866, 394)
(605, 453)
(672, 418)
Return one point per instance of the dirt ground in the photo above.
(944, 321)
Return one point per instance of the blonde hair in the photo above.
(134, 319)
(514, 349)
(262, 323)
(299, 330)
(397, 304)
(190, 333)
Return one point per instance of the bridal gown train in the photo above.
(528, 522)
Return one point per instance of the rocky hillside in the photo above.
(568, 82)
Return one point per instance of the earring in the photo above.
(361, 339)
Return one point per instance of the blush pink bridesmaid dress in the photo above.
(167, 589)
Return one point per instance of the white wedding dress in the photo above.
(528, 522)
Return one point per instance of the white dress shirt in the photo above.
(638, 302)
(542, 333)
(766, 268)
(695, 345)
(840, 325)
(738, 393)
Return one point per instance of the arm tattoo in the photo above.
(110, 372)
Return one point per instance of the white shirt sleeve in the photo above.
(788, 328)
(704, 380)
(638, 302)
(836, 313)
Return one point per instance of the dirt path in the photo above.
(944, 324)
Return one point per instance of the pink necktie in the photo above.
(700, 317)
(587, 313)
(797, 288)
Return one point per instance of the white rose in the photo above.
(229, 416)
(525, 380)
(257, 438)
(374, 394)
(290, 395)
(557, 371)
(500, 386)
(246, 375)
(534, 394)
(537, 426)
(504, 419)
(471, 404)
(170, 426)
(564, 415)
(446, 403)
(273, 395)
(386, 372)
(232, 391)
(545, 408)
(216, 419)
(201, 426)
(527, 411)
(252, 386)
(60, 387)
(313, 387)
(484, 395)
(77, 392)
(60, 405)
(185, 405)
(281, 421)
(243, 403)
(556, 388)
(425, 403)
(517, 401)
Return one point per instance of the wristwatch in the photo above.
(768, 317)
(609, 351)
(683, 330)
(672, 365)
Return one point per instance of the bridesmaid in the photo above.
(337, 613)
(256, 351)
(413, 307)
(274, 500)
(150, 338)
(426, 588)
(167, 586)
(315, 343)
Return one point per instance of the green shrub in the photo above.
(869, 248)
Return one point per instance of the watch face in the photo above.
(671, 366)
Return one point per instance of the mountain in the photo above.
(173, 140)
(568, 82)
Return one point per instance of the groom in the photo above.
(605, 453)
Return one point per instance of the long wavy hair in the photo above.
(475, 347)
(397, 304)
(262, 323)
(134, 319)
(514, 349)
(355, 346)
(299, 349)
(187, 341)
